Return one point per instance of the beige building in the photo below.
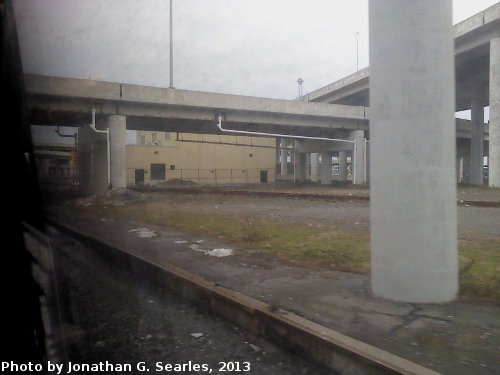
(200, 158)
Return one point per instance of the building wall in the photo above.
(204, 163)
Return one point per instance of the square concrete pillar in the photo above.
(358, 161)
(314, 167)
(300, 166)
(466, 167)
(342, 165)
(494, 129)
(308, 166)
(117, 141)
(283, 156)
(92, 160)
(326, 168)
(99, 167)
(477, 139)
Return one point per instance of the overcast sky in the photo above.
(248, 47)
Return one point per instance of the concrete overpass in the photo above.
(336, 111)
(118, 106)
(472, 55)
(476, 63)
(69, 102)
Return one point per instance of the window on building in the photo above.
(154, 136)
(143, 139)
(157, 171)
(167, 136)
(172, 167)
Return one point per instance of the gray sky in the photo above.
(248, 47)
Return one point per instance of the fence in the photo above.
(186, 177)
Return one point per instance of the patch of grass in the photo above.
(317, 247)
(480, 269)
(311, 246)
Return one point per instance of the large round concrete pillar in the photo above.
(342, 165)
(412, 131)
(117, 141)
(326, 168)
(476, 146)
(314, 167)
(494, 130)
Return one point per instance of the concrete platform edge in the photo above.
(304, 337)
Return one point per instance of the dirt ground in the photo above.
(348, 215)
(459, 338)
(464, 192)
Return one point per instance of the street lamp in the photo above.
(356, 34)
(300, 81)
(171, 50)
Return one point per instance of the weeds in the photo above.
(320, 248)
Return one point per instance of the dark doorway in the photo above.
(157, 171)
(263, 177)
(139, 176)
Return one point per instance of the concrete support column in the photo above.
(466, 167)
(314, 167)
(300, 167)
(283, 157)
(358, 175)
(342, 165)
(117, 141)
(367, 162)
(326, 168)
(412, 129)
(494, 130)
(458, 166)
(84, 159)
(476, 147)
(308, 166)
(99, 167)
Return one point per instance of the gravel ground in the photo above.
(113, 316)
(464, 192)
(473, 222)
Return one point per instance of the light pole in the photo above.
(171, 50)
(356, 34)
(300, 81)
